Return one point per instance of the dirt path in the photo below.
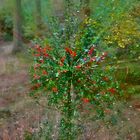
(17, 110)
(6, 48)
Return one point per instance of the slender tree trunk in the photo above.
(17, 31)
(70, 112)
(58, 8)
(38, 17)
(68, 20)
(86, 11)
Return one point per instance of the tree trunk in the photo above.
(38, 17)
(17, 31)
(86, 11)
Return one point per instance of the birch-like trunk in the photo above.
(17, 29)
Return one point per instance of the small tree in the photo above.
(73, 74)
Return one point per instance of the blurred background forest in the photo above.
(114, 23)
(118, 20)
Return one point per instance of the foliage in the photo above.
(120, 27)
(29, 14)
(72, 72)
(73, 77)
(135, 12)
(6, 23)
(124, 33)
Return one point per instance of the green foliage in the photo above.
(30, 28)
(45, 131)
(28, 136)
(128, 73)
(28, 12)
(74, 77)
(119, 22)
(71, 71)
(88, 33)
(6, 22)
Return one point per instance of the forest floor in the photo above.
(17, 110)
(19, 113)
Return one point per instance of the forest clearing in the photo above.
(69, 71)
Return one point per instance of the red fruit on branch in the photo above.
(41, 60)
(44, 50)
(36, 66)
(102, 92)
(93, 59)
(37, 55)
(39, 49)
(37, 46)
(91, 51)
(37, 85)
(54, 89)
(68, 50)
(78, 67)
(102, 57)
(72, 53)
(63, 59)
(104, 54)
(78, 80)
(36, 77)
(112, 90)
(85, 100)
(106, 79)
(85, 59)
(44, 72)
(48, 48)
(46, 55)
(61, 64)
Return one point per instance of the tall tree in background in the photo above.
(38, 17)
(17, 31)
(58, 8)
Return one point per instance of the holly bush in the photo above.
(73, 78)
(74, 74)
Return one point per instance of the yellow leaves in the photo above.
(124, 32)
(121, 44)
(87, 21)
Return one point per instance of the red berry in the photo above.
(85, 100)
